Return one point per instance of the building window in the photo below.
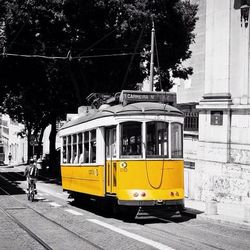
(217, 118)
(191, 121)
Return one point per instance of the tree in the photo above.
(36, 92)
(93, 33)
(115, 26)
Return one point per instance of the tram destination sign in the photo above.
(131, 96)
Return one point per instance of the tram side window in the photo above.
(93, 146)
(80, 153)
(74, 155)
(157, 139)
(64, 149)
(69, 149)
(176, 140)
(131, 139)
(86, 147)
(111, 142)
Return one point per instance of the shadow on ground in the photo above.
(9, 183)
(142, 216)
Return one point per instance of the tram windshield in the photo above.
(131, 139)
(157, 139)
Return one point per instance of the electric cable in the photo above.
(68, 57)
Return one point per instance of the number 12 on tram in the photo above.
(130, 153)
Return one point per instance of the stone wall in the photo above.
(223, 182)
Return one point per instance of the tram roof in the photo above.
(146, 108)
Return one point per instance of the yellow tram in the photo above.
(130, 152)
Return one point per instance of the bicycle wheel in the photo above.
(32, 193)
(32, 196)
(28, 194)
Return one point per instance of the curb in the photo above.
(223, 220)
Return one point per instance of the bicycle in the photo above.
(31, 190)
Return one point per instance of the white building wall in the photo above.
(222, 153)
(14, 144)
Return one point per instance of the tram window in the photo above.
(86, 147)
(176, 140)
(107, 140)
(131, 139)
(69, 149)
(64, 149)
(80, 154)
(93, 146)
(157, 139)
(111, 142)
(74, 155)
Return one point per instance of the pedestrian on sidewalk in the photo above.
(10, 157)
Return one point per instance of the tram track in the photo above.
(184, 239)
(28, 231)
(22, 226)
(156, 231)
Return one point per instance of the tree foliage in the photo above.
(37, 91)
(126, 27)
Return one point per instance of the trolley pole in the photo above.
(151, 77)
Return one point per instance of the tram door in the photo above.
(111, 167)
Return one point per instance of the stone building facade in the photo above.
(220, 151)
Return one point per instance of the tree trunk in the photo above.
(29, 149)
(52, 145)
(40, 141)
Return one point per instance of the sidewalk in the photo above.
(226, 212)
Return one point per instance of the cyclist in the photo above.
(31, 173)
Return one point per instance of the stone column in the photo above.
(214, 122)
(215, 105)
(245, 67)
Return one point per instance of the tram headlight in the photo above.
(143, 194)
(177, 193)
(136, 194)
(172, 193)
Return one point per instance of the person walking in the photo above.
(10, 157)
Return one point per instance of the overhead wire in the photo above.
(68, 57)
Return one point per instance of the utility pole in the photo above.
(151, 77)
